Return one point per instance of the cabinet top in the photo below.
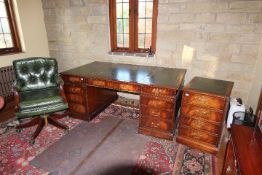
(145, 75)
(212, 86)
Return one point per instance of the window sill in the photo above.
(10, 53)
(128, 54)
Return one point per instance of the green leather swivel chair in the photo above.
(39, 94)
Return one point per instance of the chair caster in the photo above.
(18, 130)
(66, 131)
(32, 142)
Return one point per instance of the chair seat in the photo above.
(42, 101)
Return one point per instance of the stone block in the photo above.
(246, 6)
(214, 27)
(250, 49)
(243, 28)
(258, 28)
(245, 59)
(167, 27)
(255, 18)
(223, 37)
(168, 8)
(205, 17)
(232, 18)
(182, 18)
(97, 19)
(76, 3)
(162, 19)
(205, 7)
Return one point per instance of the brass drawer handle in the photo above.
(198, 123)
(155, 124)
(229, 169)
(155, 113)
(98, 83)
(125, 87)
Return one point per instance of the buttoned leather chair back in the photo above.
(35, 73)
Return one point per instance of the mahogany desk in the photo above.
(92, 87)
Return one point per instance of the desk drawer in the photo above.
(206, 137)
(73, 79)
(75, 98)
(123, 86)
(73, 89)
(155, 112)
(159, 91)
(114, 85)
(155, 123)
(77, 108)
(94, 82)
(198, 112)
(200, 124)
(204, 100)
(165, 103)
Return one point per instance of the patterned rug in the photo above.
(159, 156)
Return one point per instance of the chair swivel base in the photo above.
(41, 121)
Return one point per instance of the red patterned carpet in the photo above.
(159, 156)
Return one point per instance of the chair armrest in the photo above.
(15, 89)
(60, 82)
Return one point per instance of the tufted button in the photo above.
(32, 79)
(43, 78)
(24, 69)
(47, 66)
(37, 67)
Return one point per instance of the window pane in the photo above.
(141, 41)
(125, 10)
(142, 9)
(141, 26)
(126, 25)
(1, 31)
(2, 10)
(120, 40)
(5, 25)
(148, 26)
(2, 41)
(8, 40)
(119, 10)
(122, 24)
(145, 23)
(119, 26)
(148, 41)
(126, 40)
(149, 9)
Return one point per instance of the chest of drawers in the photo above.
(203, 110)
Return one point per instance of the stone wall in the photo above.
(211, 38)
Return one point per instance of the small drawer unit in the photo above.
(203, 110)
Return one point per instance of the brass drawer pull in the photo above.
(155, 113)
(156, 125)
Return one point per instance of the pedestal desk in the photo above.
(92, 87)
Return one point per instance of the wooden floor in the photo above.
(8, 112)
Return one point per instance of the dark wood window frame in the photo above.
(133, 27)
(14, 32)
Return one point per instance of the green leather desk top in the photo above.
(147, 75)
(213, 86)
